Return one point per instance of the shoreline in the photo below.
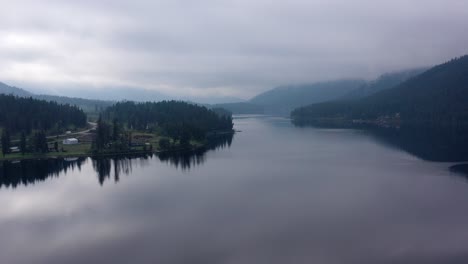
(47, 156)
(92, 155)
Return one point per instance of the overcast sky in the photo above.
(221, 48)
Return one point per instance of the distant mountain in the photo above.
(87, 105)
(384, 82)
(210, 100)
(241, 108)
(281, 100)
(6, 89)
(116, 94)
(437, 96)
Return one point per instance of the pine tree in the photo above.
(23, 143)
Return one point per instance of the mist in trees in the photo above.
(435, 97)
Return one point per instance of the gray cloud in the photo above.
(213, 48)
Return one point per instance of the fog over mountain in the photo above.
(220, 49)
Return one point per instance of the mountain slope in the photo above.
(281, 100)
(87, 105)
(241, 108)
(437, 96)
(287, 98)
(6, 89)
(384, 82)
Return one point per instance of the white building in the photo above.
(14, 149)
(70, 141)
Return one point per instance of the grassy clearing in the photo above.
(84, 148)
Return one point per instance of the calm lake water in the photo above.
(274, 193)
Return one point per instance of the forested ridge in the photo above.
(18, 114)
(437, 96)
(170, 118)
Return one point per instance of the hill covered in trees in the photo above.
(439, 96)
(168, 116)
(175, 122)
(19, 114)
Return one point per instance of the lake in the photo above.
(273, 193)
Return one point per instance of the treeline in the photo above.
(173, 119)
(438, 96)
(27, 114)
(111, 137)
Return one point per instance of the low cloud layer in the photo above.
(221, 48)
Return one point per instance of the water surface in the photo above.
(274, 193)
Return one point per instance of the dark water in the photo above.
(274, 193)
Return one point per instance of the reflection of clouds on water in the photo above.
(325, 197)
(28, 172)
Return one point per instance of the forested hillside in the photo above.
(437, 96)
(172, 118)
(19, 114)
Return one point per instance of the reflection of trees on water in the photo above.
(460, 170)
(183, 160)
(432, 143)
(445, 144)
(187, 160)
(28, 172)
(115, 166)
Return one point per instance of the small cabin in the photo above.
(70, 141)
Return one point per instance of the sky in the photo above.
(220, 48)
